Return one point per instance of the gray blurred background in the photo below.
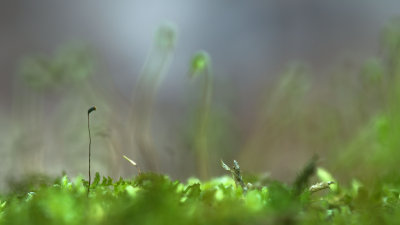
(250, 43)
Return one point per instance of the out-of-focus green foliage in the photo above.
(375, 145)
(303, 178)
(70, 64)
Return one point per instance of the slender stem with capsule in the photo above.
(155, 68)
(93, 108)
(201, 65)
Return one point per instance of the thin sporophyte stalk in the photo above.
(145, 92)
(91, 109)
(201, 65)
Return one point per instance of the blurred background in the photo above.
(274, 83)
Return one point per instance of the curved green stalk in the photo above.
(145, 92)
(201, 64)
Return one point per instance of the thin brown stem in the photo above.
(90, 143)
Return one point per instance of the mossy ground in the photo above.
(155, 199)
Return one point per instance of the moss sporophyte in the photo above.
(201, 65)
(145, 92)
(91, 109)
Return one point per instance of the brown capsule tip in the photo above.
(93, 108)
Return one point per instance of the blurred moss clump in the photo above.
(70, 64)
(375, 145)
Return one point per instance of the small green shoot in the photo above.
(236, 174)
(304, 176)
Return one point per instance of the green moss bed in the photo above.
(151, 198)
